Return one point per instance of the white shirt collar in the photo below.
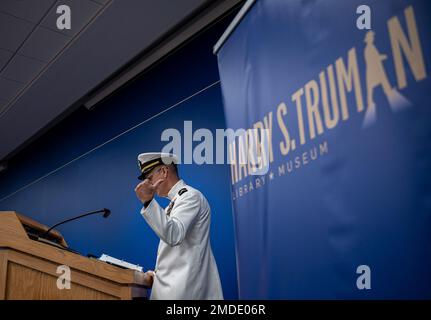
(175, 188)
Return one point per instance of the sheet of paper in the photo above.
(118, 262)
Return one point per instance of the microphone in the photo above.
(106, 213)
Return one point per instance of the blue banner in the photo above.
(344, 211)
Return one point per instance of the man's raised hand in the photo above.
(145, 190)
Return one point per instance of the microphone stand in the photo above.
(106, 213)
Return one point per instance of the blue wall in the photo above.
(106, 176)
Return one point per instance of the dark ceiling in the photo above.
(44, 71)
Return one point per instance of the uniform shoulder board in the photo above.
(183, 190)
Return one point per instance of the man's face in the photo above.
(155, 175)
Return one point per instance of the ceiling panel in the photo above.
(81, 13)
(22, 69)
(44, 44)
(30, 10)
(8, 89)
(4, 57)
(13, 31)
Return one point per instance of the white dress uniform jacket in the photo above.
(185, 267)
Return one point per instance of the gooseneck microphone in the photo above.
(106, 213)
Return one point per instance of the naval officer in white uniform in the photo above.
(185, 267)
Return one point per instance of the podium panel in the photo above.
(29, 268)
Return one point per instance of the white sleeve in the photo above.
(173, 229)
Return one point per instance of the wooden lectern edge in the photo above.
(13, 229)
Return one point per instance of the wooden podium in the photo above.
(28, 268)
